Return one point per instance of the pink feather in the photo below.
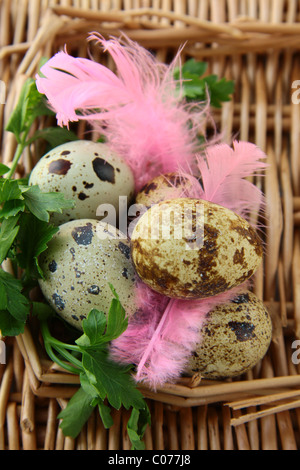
(224, 170)
(139, 109)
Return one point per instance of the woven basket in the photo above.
(255, 43)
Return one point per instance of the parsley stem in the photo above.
(60, 344)
(17, 156)
(58, 361)
(51, 343)
(68, 356)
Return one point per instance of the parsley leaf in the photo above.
(104, 383)
(12, 208)
(105, 413)
(14, 306)
(54, 136)
(99, 328)
(197, 87)
(31, 104)
(8, 232)
(9, 190)
(94, 329)
(136, 426)
(77, 412)
(111, 380)
(10, 326)
(3, 169)
(30, 247)
(40, 204)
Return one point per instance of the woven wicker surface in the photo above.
(256, 43)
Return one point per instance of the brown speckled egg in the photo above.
(167, 186)
(88, 173)
(81, 260)
(235, 337)
(190, 248)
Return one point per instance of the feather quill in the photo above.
(139, 109)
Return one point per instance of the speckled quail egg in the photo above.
(235, 337)
(167, 186)
(87, 172)
(190, 248)
(81, 260)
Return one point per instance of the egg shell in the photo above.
(235, 337)
(88, 173)
(82, 258)
(167, 186)
(190, 248)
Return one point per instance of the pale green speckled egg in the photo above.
(87, 172)
(81, 260)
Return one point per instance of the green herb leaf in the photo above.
(33, 238)
(9, 326)
(105, 413)
(136, 426)
(76, 414)
(221, 91)
(9, 190)
(54, 136)
(31, 104)
(97, 323)
(8, 233)
(197, 87)
(101, 378)
(194, 67)
(12, 208)
(94, 327)
(40, 204)
(117, 321)
(87, 384)
(3, 169)
(111, 380)
(12, 302)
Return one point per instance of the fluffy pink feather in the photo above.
(139, 109)
(224, 171)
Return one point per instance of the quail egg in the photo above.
(167, 186)
(235, 337)
(81, 260)
(190, 248)
(87, 172)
